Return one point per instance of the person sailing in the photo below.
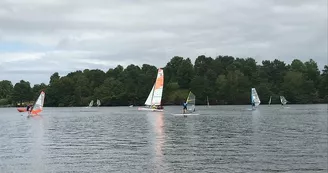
(184, 108)
(253, 104)
(29, 108)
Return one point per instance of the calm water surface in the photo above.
(121, 139)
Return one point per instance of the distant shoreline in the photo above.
(170, 105)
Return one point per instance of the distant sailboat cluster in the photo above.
(98, 103)
(255, 100)
(154, 100)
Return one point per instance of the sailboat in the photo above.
(98, 103)
(191, 102)
(283, 100)
(153, 102)
(255, 100)
(270, 100)
(38, 105)
(90, 104)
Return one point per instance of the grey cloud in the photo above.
(103, 34)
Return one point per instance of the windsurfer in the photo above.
(184, 108)
(28, 107)
(253, 104)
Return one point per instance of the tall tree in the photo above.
(6, 87)
(22, 92)
(185, 74)
(323, 86)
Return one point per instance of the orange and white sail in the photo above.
(38, 105)
(155, 95)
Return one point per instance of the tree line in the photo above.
(224, 80)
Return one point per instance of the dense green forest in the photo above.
(225, 80)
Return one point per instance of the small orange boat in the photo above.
(36, 108)
(21, 109)
(38, 105)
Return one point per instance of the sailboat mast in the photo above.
(208, 103)
(188, 97)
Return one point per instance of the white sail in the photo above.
(98, 102)
(91, 103)
(255, 98)
(283, 100)
(191, 101)
(270, 100)
(38, 105)
(155, 95)
(150, 96)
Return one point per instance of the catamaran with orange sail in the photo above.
(153, 102)
(38, 105)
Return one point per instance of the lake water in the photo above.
(122, 139)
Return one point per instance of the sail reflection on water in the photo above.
(156, 119)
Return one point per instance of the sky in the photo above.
(40, 37)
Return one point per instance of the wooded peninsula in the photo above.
(224, 80)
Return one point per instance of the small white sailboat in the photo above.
(90, 104)
(255, 100)
(153, 102)
(283, 100)
(270, 101)
(98, 103)
(191, 102)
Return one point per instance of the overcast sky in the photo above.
(40, 37)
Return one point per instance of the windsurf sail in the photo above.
(255, 98)
(283, 100)
(270, 100)
(191, 101)
(155, 96)
(98, 103)
(91, 103)
(38, 105)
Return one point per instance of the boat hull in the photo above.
(21, 109)
(33, 115)
(150, 109)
